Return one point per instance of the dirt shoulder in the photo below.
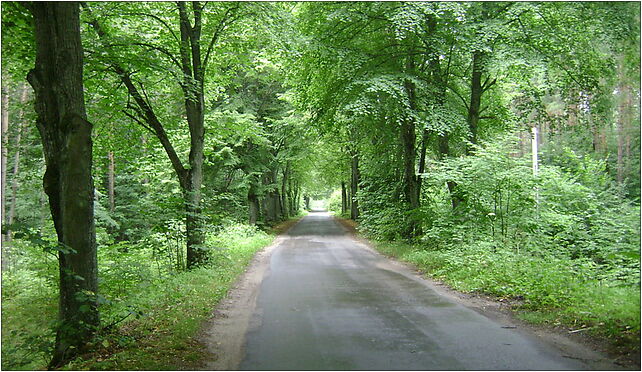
(224, 333)
(597, 352)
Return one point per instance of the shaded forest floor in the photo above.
(551, 323)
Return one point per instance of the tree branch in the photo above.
(463, 100)
(217, 33)
(171, 31)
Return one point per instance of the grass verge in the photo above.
(164, 338)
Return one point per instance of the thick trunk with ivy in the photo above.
(66, 138)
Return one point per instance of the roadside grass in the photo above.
(163, 314)
(164, 338)
(559, 292)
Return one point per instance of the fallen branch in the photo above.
(580, 330)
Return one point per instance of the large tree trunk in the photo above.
(271, 201)
(410, 193)
(253, 201)
(66, 138)
(193, 91)
(410, 181)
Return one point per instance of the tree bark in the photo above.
(344, 198)
(476, 92)
(66, 138)
(193, 91)
(444, 151)
(253, 201)
(410, 180)
(285, 208)
(306, 200)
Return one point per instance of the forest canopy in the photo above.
(494, 144)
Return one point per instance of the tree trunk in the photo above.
(193, 91)
(354, 186)
(66, 138)
(444, 150)
(409, 177)
(306, 200)
(271, 204)
(344, 199)
(295, 198)
(410, 181)
(253, 201)
(285, 208)
(476, 92)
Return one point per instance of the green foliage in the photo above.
(293, 94)
(547, 242)
(155, 312)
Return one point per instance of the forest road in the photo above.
(329, 302)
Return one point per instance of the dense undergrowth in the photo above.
(151, 311)
(563, 246)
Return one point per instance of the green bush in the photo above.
(549, 242)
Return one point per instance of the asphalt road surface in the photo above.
(329, 303)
